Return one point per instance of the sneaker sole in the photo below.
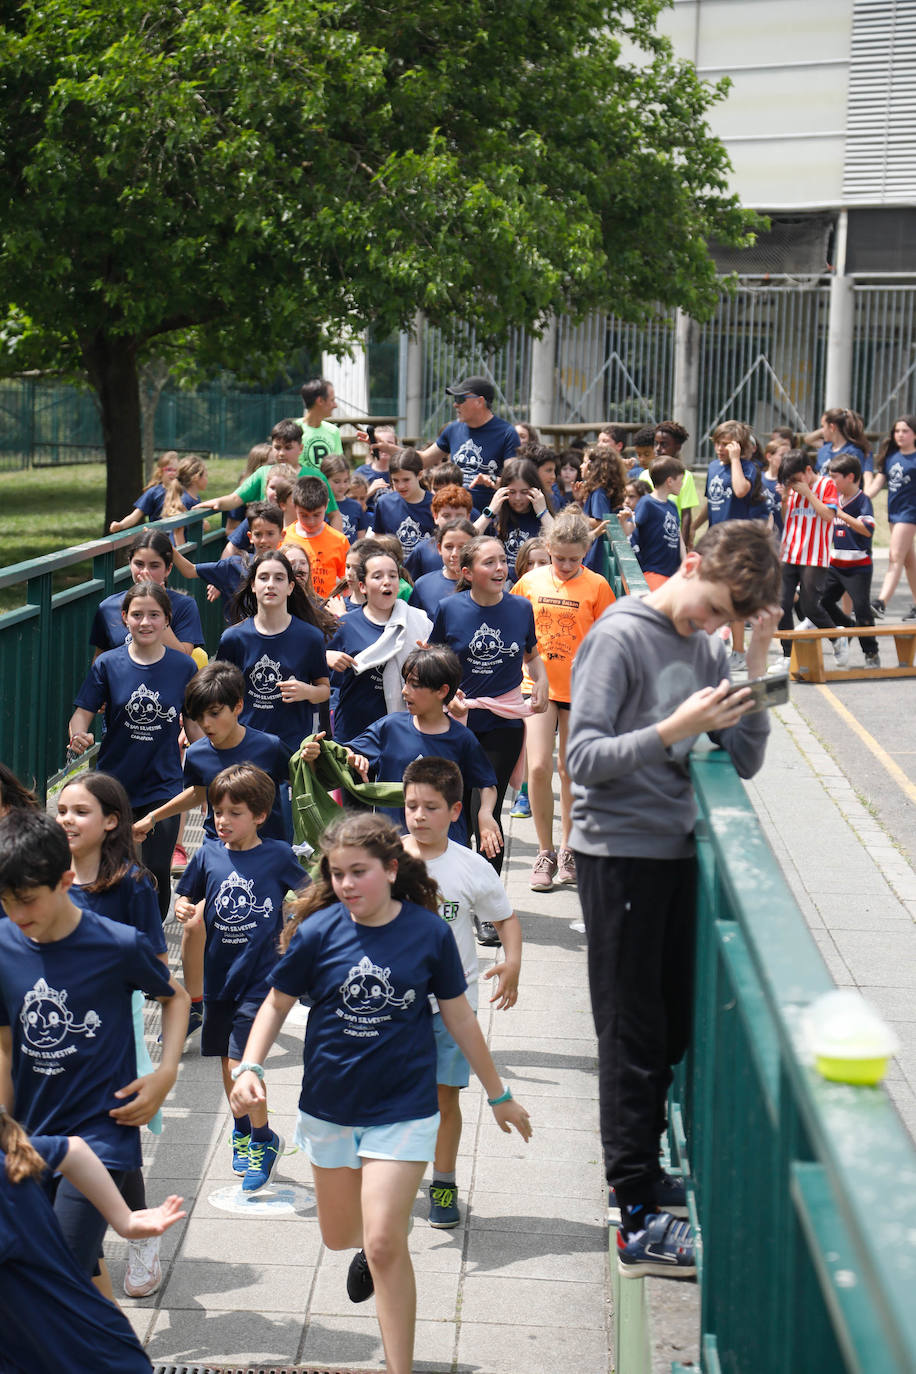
(281, 1142)
(646, 1269)
(144, 1290)
(444, 1225)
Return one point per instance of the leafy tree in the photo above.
(266, 174)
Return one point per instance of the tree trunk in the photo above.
(153, 376)
(111, 364)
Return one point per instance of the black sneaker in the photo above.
(879, 608)
(665, 1249)
(487, 933)
(359, 1279)
(670, 1197)
(195, 1018)
(911, 613)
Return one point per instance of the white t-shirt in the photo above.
(468, 886)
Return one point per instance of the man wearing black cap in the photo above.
(477, 440)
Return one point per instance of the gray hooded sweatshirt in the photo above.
(632, 797)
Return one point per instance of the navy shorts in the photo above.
(83, 1227)
(226, 1026)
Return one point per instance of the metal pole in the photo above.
(543, 370)
(686, 382)
(838, 382)
(413, 404)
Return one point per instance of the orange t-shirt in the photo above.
(327, 554)
(564, 612)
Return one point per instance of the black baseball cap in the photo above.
(473, 386)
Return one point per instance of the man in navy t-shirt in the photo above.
(477, 440)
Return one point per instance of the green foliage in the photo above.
(271, 174)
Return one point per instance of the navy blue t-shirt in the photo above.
(491, 642)
(239, 538)
(52, 1316)
(268, 660)
(424, 558)
(360, 696)
(143, 704)
(226, 575)
(900, 471)
(130, 902)
(68, 1005)
(243, 892)
(392, 743)
(826, 452)
(597, 504)
(656, 539)
(479, 452)
(203, 761)
(370, 1053)
(520, 528)
(150, 502)
(431, 589)
(404, 519)
(774, 501)
(561, 498)
(109, 631)
(723, 503)
(355, 520)
(851, 549)
(370, 475)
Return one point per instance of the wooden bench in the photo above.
(807, 661)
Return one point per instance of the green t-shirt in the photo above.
(319, 441)
(254, 487)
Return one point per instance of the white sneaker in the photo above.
(144, 1271)
(805, 624)
(841, 651)
(737, 662)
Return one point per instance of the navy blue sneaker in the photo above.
(360, 1284)
(240, 1147)
(262, 1160)
(670, 1197)
(665, 1249)
(195, 1018)
(443, 1206)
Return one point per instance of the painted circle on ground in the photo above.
(283, 1200)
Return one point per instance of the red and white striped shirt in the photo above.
(805, 536)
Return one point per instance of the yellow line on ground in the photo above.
(871, 744)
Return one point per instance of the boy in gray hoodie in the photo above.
(650, 677)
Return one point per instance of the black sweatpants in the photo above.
(810, 583)
(640, 921)
(857, 582)
(156, 852)
(502, 747)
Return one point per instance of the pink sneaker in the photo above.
(545, 866)
(566, 866)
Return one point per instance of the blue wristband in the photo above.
(495, 1101)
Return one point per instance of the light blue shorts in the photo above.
(331, 1146)
(452, 1069)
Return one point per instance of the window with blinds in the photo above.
(880, 164)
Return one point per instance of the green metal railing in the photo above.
(803, 1192)
(44, 645)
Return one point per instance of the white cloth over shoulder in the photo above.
(406, 625)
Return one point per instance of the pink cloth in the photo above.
(512, 706)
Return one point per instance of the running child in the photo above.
(850, 558)
(519, 509)
(151, 560)
(278, 491)
(148, 505)
(654, 528)
(68, 1063)
(897, 470)
(326, 547)
(287, 448)
(566, 599)
(141, 688)
(355, 517)
(432, 587)
(226, 575)
(242, 881)
(46, 1307)
(469, 891)
(649, 679)
(367, 948)
(371, 644)
(450, 502)
(183, 492)
(406, 511)
(94, 813)
(280, 651)
(431, 677)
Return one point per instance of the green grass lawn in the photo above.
(44, 510)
